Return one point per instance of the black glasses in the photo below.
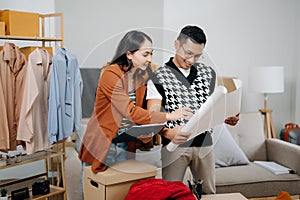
(188, 54)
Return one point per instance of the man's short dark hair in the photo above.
(194, 33)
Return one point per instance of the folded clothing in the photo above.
(158, 189)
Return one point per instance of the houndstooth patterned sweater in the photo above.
(180, 91)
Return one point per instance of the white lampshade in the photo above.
(266, 79)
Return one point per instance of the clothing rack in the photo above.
(48, 24)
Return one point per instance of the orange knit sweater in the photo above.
(111, 104)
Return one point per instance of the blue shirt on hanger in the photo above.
(66, 86)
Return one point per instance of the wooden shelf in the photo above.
(45, 39)
(42, 37)
(54, 190)
(46, 156)
(14, 181)
(32, 158)
(41, 155)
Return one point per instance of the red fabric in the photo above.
(159, 189)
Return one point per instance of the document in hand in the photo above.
(273, 167)
(214, 111)
(138, 130)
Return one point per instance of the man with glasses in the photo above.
(185, 82)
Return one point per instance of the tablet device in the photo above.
(138, 130)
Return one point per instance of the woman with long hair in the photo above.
(119, 102)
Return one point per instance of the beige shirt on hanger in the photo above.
(34, 112)
(12, 74)
(4, 135)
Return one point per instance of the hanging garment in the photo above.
(4, 134)
(66, 87)
(12, 76)
(33, 122)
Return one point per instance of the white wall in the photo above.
(297, 67)
(93, 28)
(243, 34)
(42, 7)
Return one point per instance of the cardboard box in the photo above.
(228, 82)
(20, 23)
(2, 28)
(115, 182)
(29, 49)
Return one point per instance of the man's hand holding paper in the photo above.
(218, 107)
(185, 113)
(180, 137)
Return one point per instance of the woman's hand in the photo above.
(185, 113)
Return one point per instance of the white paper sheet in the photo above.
(234, 99)
(273, 167)
(214, 111)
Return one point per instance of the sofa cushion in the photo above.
(254, 178)
(227, 152)
(249, 135)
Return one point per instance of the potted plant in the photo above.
(3, 194)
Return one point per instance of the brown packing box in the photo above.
(115, 182)
(227, 82)
(29, 49)
(20, 23)
(2, 28)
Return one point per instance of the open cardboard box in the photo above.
(115, 182)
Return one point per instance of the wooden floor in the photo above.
(73, 174)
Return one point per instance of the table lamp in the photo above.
(267, 80)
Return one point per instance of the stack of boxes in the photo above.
(17, 23)
(21, 24)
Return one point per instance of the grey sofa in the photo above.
(252, 180)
